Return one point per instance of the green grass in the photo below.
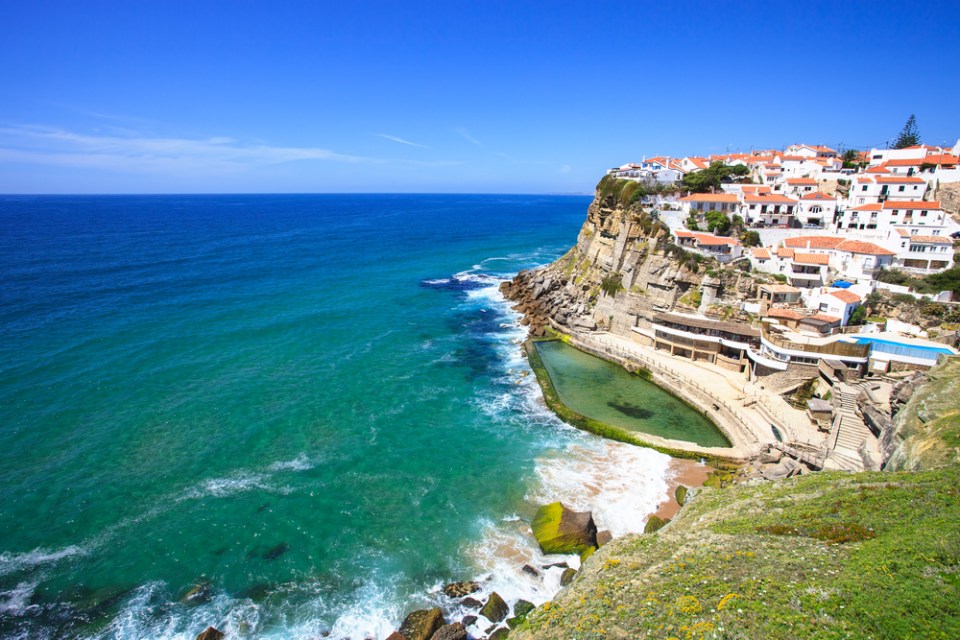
(827, 555)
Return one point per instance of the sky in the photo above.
(169, 96)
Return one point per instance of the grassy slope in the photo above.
(873, 555)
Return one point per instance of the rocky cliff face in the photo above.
(623, 269)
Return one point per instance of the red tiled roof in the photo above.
(812, 242)
(894, 179)
(873, 206)
(759, 198)
(783, 252)
(824, 317)
(711, 240)
(912, 204)
(790, 314)
(801, 181)
(866, 248)
(761, 254)
(811, 258)
(904, 162)
(845, 296)
(711, 197)
(817, 195)
(877, 169)
(930, 240)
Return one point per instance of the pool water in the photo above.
(606, 392)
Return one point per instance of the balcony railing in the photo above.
(848, 349)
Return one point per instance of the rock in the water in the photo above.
(522, 607)
(468, 620)
(655, 523)
(422, 624)
(499, 634)
(453, 631)
(567, 576)
(603, 537)
(471, 603)
(680, 494)
(530, 570)
(770, 456)
(198, 593)
(275, 552)
(461, 589)
(210, 633)
(562, 565)
(495, 610)
(562, 530)
(396, 635)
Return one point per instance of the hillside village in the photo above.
(826, 229)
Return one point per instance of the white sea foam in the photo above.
(222, 487)
(12, 562)
(300, 463)
(16, 601)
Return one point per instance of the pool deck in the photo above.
(743, 410)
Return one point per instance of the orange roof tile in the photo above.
(812, 242)
(801, 181)
(789, 314)
(711, 240)
(930, 240)
(867, 248)
(811, 258)
(817, 195)
(873, 206)
(895, 179)
(904, 162)
(912, 204)
(762, 198)
(711, 197)
(941, 158)
(761, 254)
(845, 296)
(784, 252)
(878, 169)
(825, 317)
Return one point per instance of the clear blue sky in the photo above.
(479, 96)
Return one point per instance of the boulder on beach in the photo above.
(468, 620)
(495, 609)
(499, 634)
(531, 570)
(461, 589)
(455, 631)
(562, 530)
(396, 635)
(603, 537)
(567, 576)
(210, 633)
(680, 494)
(471, 603)
(522, 608)
(422, 624)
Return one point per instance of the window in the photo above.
(864, 188)
(902, 188)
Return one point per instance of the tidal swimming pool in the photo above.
(604, 391)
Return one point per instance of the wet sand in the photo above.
(688, 473)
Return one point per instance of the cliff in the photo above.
(623, 269)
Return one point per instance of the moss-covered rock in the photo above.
(562, 530)
(495, 609)
(422, 624)
(567, 576)
(681, 495)
(655, 523)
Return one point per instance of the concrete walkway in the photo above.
(746, 410)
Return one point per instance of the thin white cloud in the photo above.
(466, 135)
(565, 168)
(56, 146)
(387, 136)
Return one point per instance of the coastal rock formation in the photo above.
(923, 432)
(495, 609)
(422, 624)
(455, 631)
(623, 269)
(210, 633)
(562, 530)
(461, 589)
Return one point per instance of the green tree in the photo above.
(717, 222)
(851, 158)
(909, 135)
(859, 316)
(693, 223)
(711, 177)
(750, 239)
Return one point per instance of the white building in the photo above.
(923, 253)
(703, 202)
(817, 209)
(768, 210)
(722, 248)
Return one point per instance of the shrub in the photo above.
(612, 284)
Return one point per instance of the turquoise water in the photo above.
(310, 405)
(607, 392)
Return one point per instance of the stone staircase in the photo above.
(848, 432)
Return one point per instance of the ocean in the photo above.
(284, 416)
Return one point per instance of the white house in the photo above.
(839, 303)
(924, 253)
(799, 186)
(810, 151)
(722, 248)
(769, 210)
(817, 209)
(703, 202)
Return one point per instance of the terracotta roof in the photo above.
(789, 314)
(845, 296)
(811, 258)
(711, 197)
(861, 178)
(941, 158)
(783, 252)
(904, 162)
(711, 240)
(824, 317)
(912, 204)
(761, 254)
(877, 169)
(866, 248)
(795, 158)
(903, 233)
(930, 240)
(801, 181)
(812, 242)
(907, 179)
(817, 195)
(683, 234)
(755, 188)
(873, 206)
